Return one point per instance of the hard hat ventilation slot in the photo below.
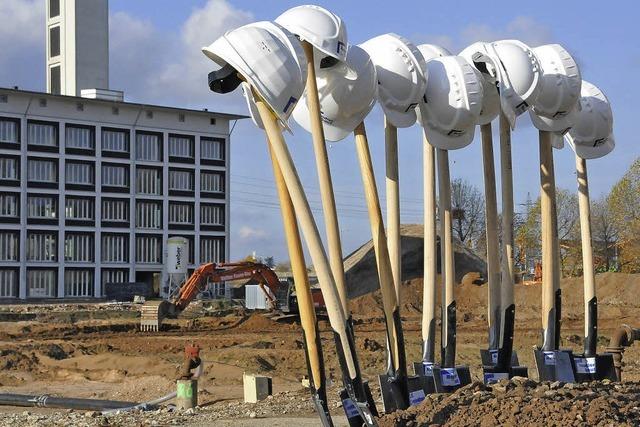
(328, 62)
(224, 80)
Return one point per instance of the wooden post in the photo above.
(447, 266)
(336, 315)
(393, 204)
(430, 261)
(590, 300)
(492, 241)
(550, 269)
(306, 308)
(389, 301)
(324, 177)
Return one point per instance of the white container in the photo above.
(177, 255)
(256, 388)
(254, 298)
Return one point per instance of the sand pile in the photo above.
(523, 402)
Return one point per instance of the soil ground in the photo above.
(96, 351)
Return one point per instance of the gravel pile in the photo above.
(523, 402)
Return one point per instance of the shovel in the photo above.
(345, 344)
(310, 332)
(503, 362)
(589, 366)
(552, 363)
(448, 377)
(424, 368)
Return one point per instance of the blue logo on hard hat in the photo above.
(292, 101)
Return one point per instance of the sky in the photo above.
(155, 57)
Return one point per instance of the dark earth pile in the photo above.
(523, 402)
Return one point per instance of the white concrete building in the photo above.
(91, 187)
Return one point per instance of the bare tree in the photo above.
(467, 205)
(604, 234)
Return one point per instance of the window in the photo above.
(42, 207)
(79, 208)
(181, 146)
(78, 283)
(180, 213)
(115, 248)
(40, 170)
(9, 205)
(80, 137)
(41, 283)
(9, 283)
(211, 249)
(149, 147)
(212, 148)
(41, 133)
(148, 215)
(148, 249)
(212, 182)
(9, 168)
(54, 8)
(116, 210)
(10, 131)
(42, 246)
(181, 180)
(148, 181)
(116, 140)
(79, 173)
(115, 276)
(55, 85)
(9, 246)
(212, 214)
(78, 247)
(115, 175)
(54, 42)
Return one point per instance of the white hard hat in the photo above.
(452, 104)
(491, 97)
(430, 51)
(318, 26)
(557, 105)
(401, 76)
(514, 67)
(591, 136)
(269, 58)
(344, 101)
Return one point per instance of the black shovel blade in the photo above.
(493, 374)
(425, 370)
(448, 380)
(555, 365)
(594, 368)
(490, 357)
(351, 408)
(393, 398)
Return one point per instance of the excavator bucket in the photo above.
(152, 314)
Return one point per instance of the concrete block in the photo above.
(256, 387)
(187, 394)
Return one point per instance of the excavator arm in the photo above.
(153, 313)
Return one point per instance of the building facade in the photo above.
(91, 189)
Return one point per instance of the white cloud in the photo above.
(155, 66)
(22, 43)
(250, 233)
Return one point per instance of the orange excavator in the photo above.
(278, 294)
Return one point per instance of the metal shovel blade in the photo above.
(392, 394)
(448, 380)
(490, 357)
(351, 408)
(594, 368)
(425, 370)
(555, 365)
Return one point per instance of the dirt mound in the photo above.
(525, 402)
(257, 322)
(12, 360)
(360, 266)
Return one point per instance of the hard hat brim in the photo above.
(449, 142)
(400, 120)
(587, 151)
(560, 124)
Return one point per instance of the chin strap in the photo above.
(224, 80)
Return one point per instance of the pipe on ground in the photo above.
(46, 401)
(621, 338)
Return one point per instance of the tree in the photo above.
(624, 204)
(604, 234)
(467, 209)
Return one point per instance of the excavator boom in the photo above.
(153, 313)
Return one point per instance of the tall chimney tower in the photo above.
(77, 47)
